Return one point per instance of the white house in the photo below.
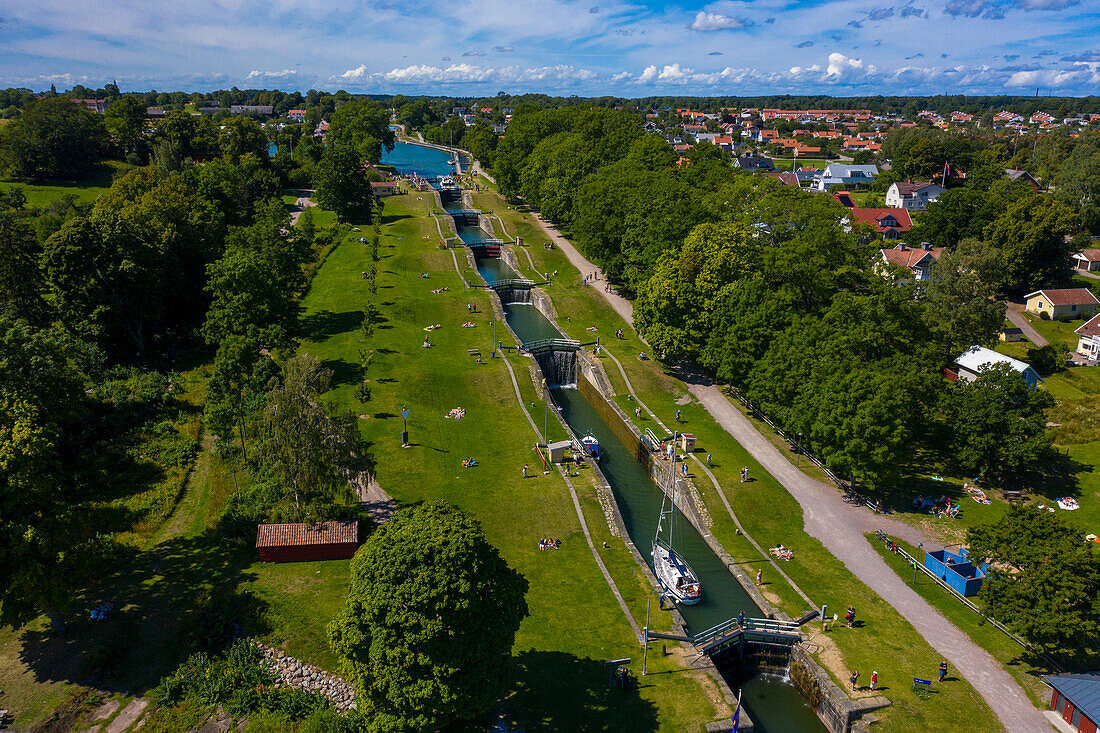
(918, 260)
(912, 195)
(972, 362)
(1088, 339)
(839, 174)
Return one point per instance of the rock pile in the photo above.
(292, 672)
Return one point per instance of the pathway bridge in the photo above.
(756, 642)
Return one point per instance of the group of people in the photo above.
(619, 334)
(744, 474)
(854, 679)
(549, 544)
(592, 277)
(440, 290)
(471, 307)
(469, 462)
(781, 552)
(937, 507)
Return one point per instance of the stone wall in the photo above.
(291, 672)
(833, 706)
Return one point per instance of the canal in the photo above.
(772, 702)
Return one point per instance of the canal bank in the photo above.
(772, 701)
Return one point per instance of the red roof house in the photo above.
(890, 223)
(306, 542)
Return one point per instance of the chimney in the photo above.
(925, 246)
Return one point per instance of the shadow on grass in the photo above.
(326, 323)
(393, 218)
(343, 371)
(169, 602)
(559, 691)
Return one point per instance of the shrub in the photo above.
(1044, 316)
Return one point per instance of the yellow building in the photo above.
(1062, 301)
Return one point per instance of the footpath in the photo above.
(841, 527)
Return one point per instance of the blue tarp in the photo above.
(956, 570)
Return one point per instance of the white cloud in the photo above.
(284, 74)
(354, 74)
(716, 22)
(840, 65)
(648, 74)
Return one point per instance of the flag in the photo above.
(737, 714)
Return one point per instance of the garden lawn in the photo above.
(886, 642)
(86, 191)
(575, 623)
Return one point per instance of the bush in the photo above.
(1044, 316)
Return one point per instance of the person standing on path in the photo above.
(854, 678)
(874, 679)
(741, 618)
(943, 670)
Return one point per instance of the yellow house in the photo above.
(1062, 301)
(1011, 333)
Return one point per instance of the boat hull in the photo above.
(675, 576)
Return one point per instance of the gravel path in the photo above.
(1016, 315)
(841, 528)
(300, 205)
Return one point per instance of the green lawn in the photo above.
(575, 622)
(85, 191)
(765, 508)
(1057, 333)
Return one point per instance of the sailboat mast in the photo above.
(672, 512)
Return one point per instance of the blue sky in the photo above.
(585, 47)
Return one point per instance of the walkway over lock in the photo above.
(532, 347)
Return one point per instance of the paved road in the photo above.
(300, 205)
(1015, 314)
(841, 527)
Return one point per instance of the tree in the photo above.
(53, 139)
(957, 298)
(341, 184)
(241, 136)
(309, 448)
(125, 121)
(363, 126)
(998, 426)
(21, 280)
(1044, 583)
(430, 621)
(1031, 234)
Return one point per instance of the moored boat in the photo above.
(591, 446)
(675, 576)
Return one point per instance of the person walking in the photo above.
(850, 616)
(677, 416)
(741, 618)
(684, 469)
(943, 670)
(708, 460)
(637, 412)
(874, 679)
(760, 576)
(854, 678)
(525, 470)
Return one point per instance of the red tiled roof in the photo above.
(1067, 296)
(297, 535)
(874, 217)
(1091, 328)
(906, 188)
(785, 177)
(910, 256)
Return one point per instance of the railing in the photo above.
(505, 284)
(551, 344)
(767, 625)
(759, 414)
(896, 549)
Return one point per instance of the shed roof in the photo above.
(1082, 689)
(977, 357)
(299, 535)
(1092, 255)
(1066, 296)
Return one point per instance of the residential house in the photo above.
(912, 195)
(95, 105)
(972, 362)
(1004, 117)
(1041, 118)
(888, 223)
(1011, 334)
(840, 174)
(1062, 301)
(296, 114)
(753, 163)
(1015, 174)
(785, 177)
(251, 109)
(1088, 339)
(918, 260)
(1075, 698)
(725, 142)
(1087, 260)
(155, 113)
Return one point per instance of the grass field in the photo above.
(768, 512)
(575, 623)
(86, 191)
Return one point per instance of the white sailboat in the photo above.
(676, 577)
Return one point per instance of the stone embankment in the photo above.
(291, 672)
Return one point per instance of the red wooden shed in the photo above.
(305, 542)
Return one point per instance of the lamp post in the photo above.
(920, 546)
(798, 452)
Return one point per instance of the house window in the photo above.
(1073, 308)
(1075, 721)
(1040, 305)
